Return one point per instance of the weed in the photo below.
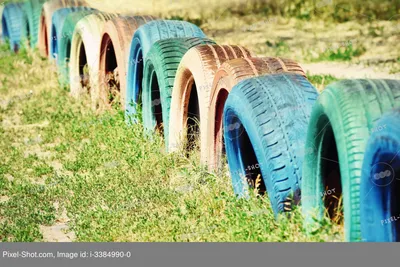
(281, 47)
(321, 81)
(344, 52)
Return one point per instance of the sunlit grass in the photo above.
(112, 182)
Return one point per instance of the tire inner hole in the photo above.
(156, 104)
(5, 28)
(112, 75)
(68, 52)
(46, 40)
(193, 119)
(28, 34)
(54, 42)
(83, 68)
(138, 61)
(384, 176)
(331, 179)
(247, 157)
(394, 200)
(218, 133)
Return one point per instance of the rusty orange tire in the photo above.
(191, 93)
(45, 22)
(85, 55)
(114, 53)
(227, 76)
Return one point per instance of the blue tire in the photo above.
(380, 182)
(11, 23)
(57, 24)
(142, 41)
(265, 124)
(30, 22)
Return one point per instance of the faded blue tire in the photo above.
(380, 182)
(45, 22)
(265, 124)
(11, 23)
(142, 41)
(57, 24)
(65, 41)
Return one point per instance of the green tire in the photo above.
(31, 18)
(340, 125)
(65, 41)
(158, 79)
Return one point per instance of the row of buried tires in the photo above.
(336, 153)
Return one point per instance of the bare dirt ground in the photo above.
(308, 42)
(58, 232)
(347, 71)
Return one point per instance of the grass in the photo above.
(280, 47)
(64, 164)
(321, 81)
(344, 51)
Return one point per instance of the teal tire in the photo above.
(158, 80)
(340, 125)
(142, 41)
(64, 44)
(31, 18)
(57, 24)
(265, 123)
(11, 23)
